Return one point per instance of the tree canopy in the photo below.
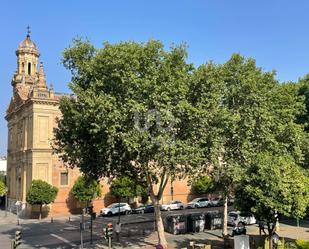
(241, 111)
(40, 193)
(127, 187)
(85, 189)
(128, 114)
(273, 184)
(142, 110)
(202, 185)
(2, 188)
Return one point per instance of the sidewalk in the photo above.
(11, 218)
(179, 241)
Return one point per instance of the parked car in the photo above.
(215, 202)
(198, 203)
(173, 205)
(235, 217)
(143, 209)
(230, 202)
(114, 208)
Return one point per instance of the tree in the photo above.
(129, 115)
(2, 188)
(272, 185)
(302, 90)
(202, 185)
(41, 193)
(127, 187)
(241, 112)
(85, 190)
(123, 187)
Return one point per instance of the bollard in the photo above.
(191, 244)
(51, 220)
(69, 218)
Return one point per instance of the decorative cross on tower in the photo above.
(28, 31)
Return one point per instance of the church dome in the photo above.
(27, 43)
(27, 46)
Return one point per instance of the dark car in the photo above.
(144, 209)
(230, 202)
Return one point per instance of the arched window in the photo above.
(29, 68)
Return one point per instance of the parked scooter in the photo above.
(239, 229)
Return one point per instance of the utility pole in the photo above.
(81, 227)
(172, 189)
(109, 234)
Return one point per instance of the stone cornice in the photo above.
(28, 102)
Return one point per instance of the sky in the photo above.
(275, 33)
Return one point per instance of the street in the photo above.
(62, 233)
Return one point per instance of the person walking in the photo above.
(261, 227)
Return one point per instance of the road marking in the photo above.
(63, 239)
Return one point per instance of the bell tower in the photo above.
(27, 63)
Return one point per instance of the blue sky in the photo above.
(275, 33)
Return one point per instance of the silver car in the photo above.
(199, 203)
(174, 205)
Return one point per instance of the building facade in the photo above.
(31, 117)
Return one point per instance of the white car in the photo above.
(174, 205)
(114, 208)
(199, 203)
(234, 218)
(215, 202)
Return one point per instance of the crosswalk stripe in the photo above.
(63, 239)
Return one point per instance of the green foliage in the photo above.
(303, 91)
(202, 185)
(2, 188)
(130, 113)
(85, 189)
(99, 131)
(239, 112)
(290, 245)
(2, 176)
(41, 192)
(141, 110)
(127, 187)
(123, 187)
(302, 244)
(273, 183)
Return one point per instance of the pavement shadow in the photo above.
(216, 242)
(35, 212)
(71, 203)
(57, 234)
(293, 222)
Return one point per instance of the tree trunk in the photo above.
(155, 198)
(40, 215)
(224, 231)
(270, 234)
(159, 224)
